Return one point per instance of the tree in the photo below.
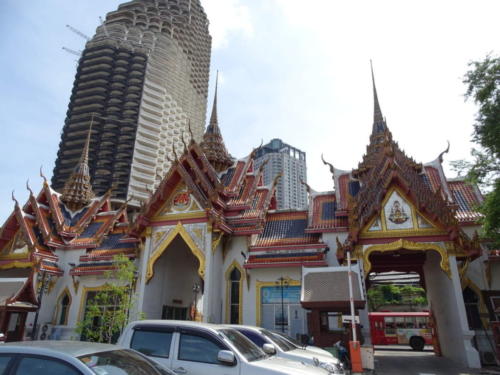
(380, 295)
(483, 87)
(107, 311)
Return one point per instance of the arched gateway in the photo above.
(402, 216)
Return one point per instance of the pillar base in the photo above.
(355, 354)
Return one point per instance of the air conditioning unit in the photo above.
(488, 358)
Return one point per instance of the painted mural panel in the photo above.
(397, 213)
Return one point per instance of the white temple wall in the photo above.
(445, 297)
(218, 287)
(331, 240)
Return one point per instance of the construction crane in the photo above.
(78, 32)
(72, 51)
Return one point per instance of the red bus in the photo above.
(403, 328)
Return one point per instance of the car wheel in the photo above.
(417, 343)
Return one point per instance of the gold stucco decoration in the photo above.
(181, 231)
(406, 245)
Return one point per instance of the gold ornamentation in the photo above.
(398, 214)
(180, 216)
(76, 283)
(216, 240)
(198, 232)
(157, 237)
(178, 230)
(17, 265)
(59, 304)
(410, 232)
(406, 245)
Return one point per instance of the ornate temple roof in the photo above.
(37, 232)
(213, 143)
(236, 201)
(284, 242)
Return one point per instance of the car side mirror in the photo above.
(269, 349)
(226, 357)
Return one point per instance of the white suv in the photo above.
(285, 349)
(192, 348)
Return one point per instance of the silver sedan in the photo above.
(74, 358)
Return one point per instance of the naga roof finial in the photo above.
(14, 199)
(28, 186)
(42, 175)
(440, 157)
(332, 168)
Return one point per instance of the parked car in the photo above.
(297, 344)
(74, 358)
(271, 343)
(206, 349)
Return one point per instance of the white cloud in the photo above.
(227, 17)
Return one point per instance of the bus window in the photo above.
(390, 326)
(410, 322)
(400, 322)
(421, 322)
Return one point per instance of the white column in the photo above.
(207, 295)
(446, 299)
(141, 279)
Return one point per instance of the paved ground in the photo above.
(398, 361)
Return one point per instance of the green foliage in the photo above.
(380, 295)
(107, 311)
(483, 86)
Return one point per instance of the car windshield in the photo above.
(278, 340)
(290, 339)
(245, 347)
(122, 362)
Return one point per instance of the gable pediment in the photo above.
(180, 204)
(399, 217)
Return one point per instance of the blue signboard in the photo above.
(272, 294)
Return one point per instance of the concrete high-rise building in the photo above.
(142, 82)
(286, 159)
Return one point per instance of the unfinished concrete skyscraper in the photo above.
(140, 81)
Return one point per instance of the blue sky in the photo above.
(293, 69)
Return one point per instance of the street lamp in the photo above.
(282, 283)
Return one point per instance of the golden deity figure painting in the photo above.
(398, 214)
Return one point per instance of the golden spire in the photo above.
(213, 144)
(77, 191)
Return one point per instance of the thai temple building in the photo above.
(211, 245)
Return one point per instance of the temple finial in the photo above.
(379, 125)
(77, 191)
(213, 144)
(213, 125)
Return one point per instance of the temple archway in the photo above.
(439, 276)
(175, 282)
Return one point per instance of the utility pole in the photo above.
(282, 283)
(354, 345)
